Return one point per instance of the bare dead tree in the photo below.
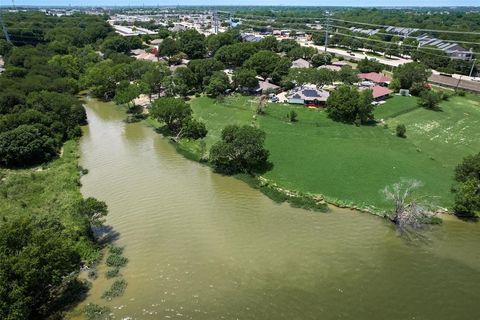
(262, 104)
(409, 212)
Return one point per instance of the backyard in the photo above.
(349, 164)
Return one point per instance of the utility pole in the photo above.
(215, 21)
(471, 69)
(327, 27)
(4, 28)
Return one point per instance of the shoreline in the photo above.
(307, 201)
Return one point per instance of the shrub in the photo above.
(292, 116)
(401, 130)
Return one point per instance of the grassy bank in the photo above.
(349, 165)
(52, 189)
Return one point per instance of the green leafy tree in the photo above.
(218, 84)
(203, 69)
(467, 189)
(192, 43)
(171, 111)
(93, 209)
(410, 73)
(240, 150)
(302, 52)
(126, 93)
(269, 43)
(236, 54)
(263, 62)
(245, 78)
(429, 99)
(194, 129)
(35, 258)
(347, 75)
(152, 79)
(27, 145)
(321, 59)
(168, 48)
(369, 65)
(348, 105)
(216, 41)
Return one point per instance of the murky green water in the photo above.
(204, 246)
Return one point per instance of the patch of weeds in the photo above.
(116, 290)
(115, 258)
(93, 311)
(112, 272)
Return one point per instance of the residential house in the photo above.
(330, 67)
(340, 63)
(301, 63)
(265, 86)
(376, 78)
(308, 95)
(378, 92)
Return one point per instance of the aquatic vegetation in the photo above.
(93, 311)
(116, 290)
(116, 260)
(112, 272)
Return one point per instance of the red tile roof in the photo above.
(374, 77)
(379, 91)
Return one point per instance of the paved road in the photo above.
(357, 55)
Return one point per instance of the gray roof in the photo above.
(308, 93)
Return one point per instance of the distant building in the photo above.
(308, 95)
(300, 63)
(156, 42)
(400, 30)
(368, 32)
(250, 37)
(330, 67)
(453, 50)
(376, 78)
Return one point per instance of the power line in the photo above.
(418, 29)
(388, 34)
(391, 34)
(405, 45)
(367, 24)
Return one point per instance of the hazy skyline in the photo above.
(357, 3)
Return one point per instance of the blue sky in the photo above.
(370, 3)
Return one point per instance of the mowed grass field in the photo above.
(349, 164)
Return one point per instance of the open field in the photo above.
(349, 164)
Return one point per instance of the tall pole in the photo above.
(4, 28)
(471, 69)
(327, 26)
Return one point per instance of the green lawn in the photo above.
(350, 164)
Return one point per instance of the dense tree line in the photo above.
(41, 250)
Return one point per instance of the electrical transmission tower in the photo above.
(215, 22)
(327, 28)
(4, 28)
